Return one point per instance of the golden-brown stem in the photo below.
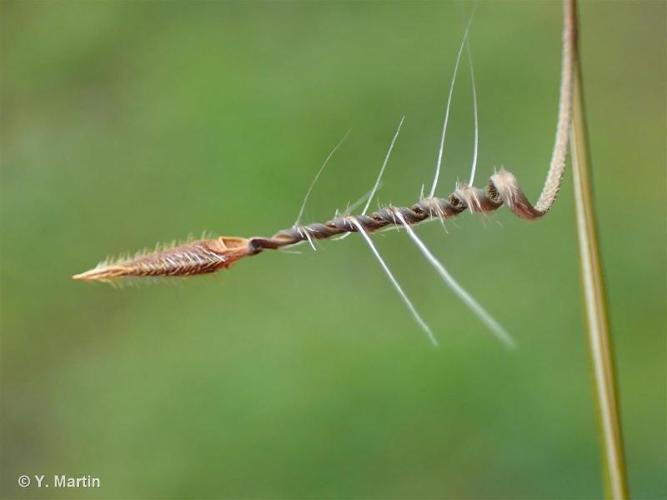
(604, 376)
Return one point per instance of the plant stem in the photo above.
(602, 358)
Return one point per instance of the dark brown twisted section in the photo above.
(502, 189)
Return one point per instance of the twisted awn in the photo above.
(212, 254)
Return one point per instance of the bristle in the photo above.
(495, 327)
(447, 110)
(408, 303)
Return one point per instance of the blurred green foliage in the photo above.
(128, 123)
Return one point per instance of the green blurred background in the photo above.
(303, 376)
